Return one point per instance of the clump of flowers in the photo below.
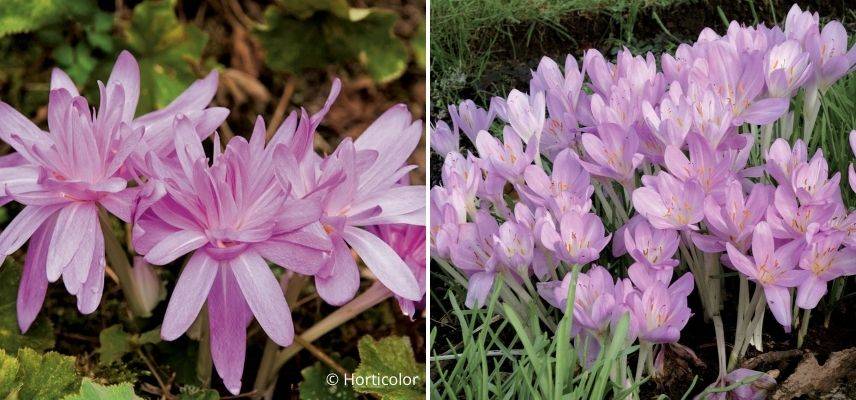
(694, 165)
(230, 213)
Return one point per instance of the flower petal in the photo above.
(264, 296)
(191, 290)
(382, 260)
(174, 246)
(34, 281)
(342, 279)
(126, 72)
(228, 317)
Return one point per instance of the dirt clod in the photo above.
(812, 379)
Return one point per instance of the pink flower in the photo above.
(526, 115)
(470, 118)
(506, 160)
(660, 312)
(668, 203)
(800, 24)
(613, 153)
(733, 219)
(811, 182)
(357, 186)
(83, 164)
(567, 177)
(651, 247)
(782, 160)
(704, 166)
(825, 261)
(787, 68)
(408, 241)
(443, 139)
(829, 54)
(233, 215)
(579, 239)
(772, 268)
(474, 255)
(596, 299)
(790, 220)
(513, 246)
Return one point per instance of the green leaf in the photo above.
(90, 390)
(165, 48)
(9, 367)
(292, 44)
(150, 337)
(197, 393)
(48, 376)
(369, 39)
(20, 16)
(390, 357)
(315, 384)
(40, 336)
(115, 343)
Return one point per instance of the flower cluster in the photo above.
(259, 201)
(699, 148)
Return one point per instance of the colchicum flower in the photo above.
(234, 215)
(66, 177)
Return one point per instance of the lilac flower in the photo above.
(811, 183)
(772, 268)
(563, 91)
(471, 119)
(790, 220)
(461, 179)
(513, 246)
(542, 263)
(800, 24)
(444, 224)
(82, 165)
(507, 160)
(567, 176)
(829, 54)
(651, 247)
(758, 387)
(443, 139)
(408, 241)
(579, 239)
(594, 301)
(825, 262)
(782, 160)
(473, 254)
(660, 312)
(851, 172)
(787, 68)
(526, 115)
(668, 203)
(613, 153)
(704, 166)
(358, 186)
(233, 215)
(734, 219)
(673, 119)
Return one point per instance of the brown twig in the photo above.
(770, 357)
(154, 371)
(321, 355)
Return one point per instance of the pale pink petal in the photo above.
(779, 301)
(121, 204)
(23, 226)
(228, 315)
(478, 289)
(195, 98)
(34, 281)
(396, 201)
(76, 225)
(60, 80)
(174, 246)
(264, 296)
(292, 254)
(386, 265)
(394, 137)
(89, 295)
(126, 72)
(189, 294)
(810, 291)
(342, 279)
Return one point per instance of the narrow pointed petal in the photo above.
(229, 316)
(382, 260)
(189, 294)
(76, 223)
(264, 296)
(174, 246)
(89, 295)
(779, 301)
(34, 281)
(23, 226)
(126, 72)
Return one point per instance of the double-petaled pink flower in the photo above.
(65, 177)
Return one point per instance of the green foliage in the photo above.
(40, 336)
(35, 376)
(417, 43)
(389, 357)
(20, 16)
(90, 390)
(316, 387)
(196, 393)
(115, 343)
(166, 49)
(304, 35)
